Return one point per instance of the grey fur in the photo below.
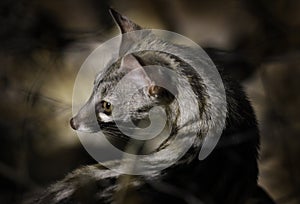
(98, 184)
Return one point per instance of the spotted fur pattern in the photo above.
(228, 175)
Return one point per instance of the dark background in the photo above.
(43, 44)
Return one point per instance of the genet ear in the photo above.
(127, 27)
(161, 94)
(131, 65)
(134, 71)
(123, 22)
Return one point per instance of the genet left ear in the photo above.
(154, 90)
(161, 94)
(131, 64)
(134, 71)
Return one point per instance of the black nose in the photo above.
(73, 124)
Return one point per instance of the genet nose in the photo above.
(73, 124)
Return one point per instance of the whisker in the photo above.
(38, 95)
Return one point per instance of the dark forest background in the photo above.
(43, 44)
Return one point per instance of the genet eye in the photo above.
(107, 107)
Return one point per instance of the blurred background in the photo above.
(44, 42)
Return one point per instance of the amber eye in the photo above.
(107, 107)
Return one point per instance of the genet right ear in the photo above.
(123, 22)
